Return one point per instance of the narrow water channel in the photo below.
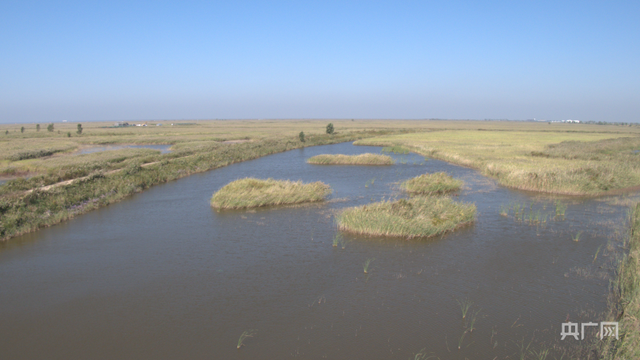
(162, 275)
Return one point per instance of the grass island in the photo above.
(251, 192)
(339, 159)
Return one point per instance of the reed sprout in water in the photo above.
(560, 209)
(472, 321)
(366, 265)
(336, 239)
(339, 240)
(596, 256)
(422, 355)
(465, 305)
(244, 335)
(576, 237)
(461, 339)
(504, 210)
(370, 182)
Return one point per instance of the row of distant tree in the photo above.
(50, 128)
(611, 123)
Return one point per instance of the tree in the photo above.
(6, 132)
(22, 129)
(330, 128)
(37, 127)
(69, 134)
(301, 136)
(50, 127)
(79, 129)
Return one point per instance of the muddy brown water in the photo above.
(162, 275)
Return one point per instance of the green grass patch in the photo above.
(250, 192)
(339, 159)
(421, 216)
(395, 150)
(431, 184)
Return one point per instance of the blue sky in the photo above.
(84, 61)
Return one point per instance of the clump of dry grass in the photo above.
(431, 184)
(362, 159)
(625, 307)
(250, 192)
(421, 216)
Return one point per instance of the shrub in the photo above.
(330, 129)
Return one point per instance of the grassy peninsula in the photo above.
(421, 216)
(362, 159)
(250, 192)
(431, 184)
(552, 161)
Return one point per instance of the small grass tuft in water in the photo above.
(576, 237)
(339, 159)
(432, 184)
(244, 335)
(421, 216)
(366, 265)
(423, 355)
(250, 192)
(337, 239)
(560, 209)
(465, 305)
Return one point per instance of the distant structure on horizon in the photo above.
(569, 121)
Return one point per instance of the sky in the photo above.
(135, 60)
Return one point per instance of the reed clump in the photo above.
(251, 192)
(431, 184)
(421, 216)
(362, 159)
(625, 302)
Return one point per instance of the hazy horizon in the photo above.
(117, 61)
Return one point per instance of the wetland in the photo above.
(162, 274)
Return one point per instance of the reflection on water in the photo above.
(163, 148)
(163, 275)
